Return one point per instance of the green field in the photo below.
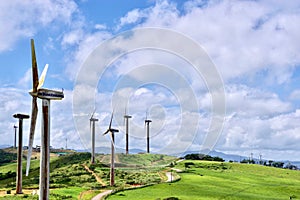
(198, 179)
(213, 180)
(70, 180)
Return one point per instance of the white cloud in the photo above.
(295, 95)
(247, 101)
(25, 18)
(247, 40)
(236, 34)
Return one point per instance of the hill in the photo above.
(69, 175)
(217, 180)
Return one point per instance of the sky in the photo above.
(220, 75)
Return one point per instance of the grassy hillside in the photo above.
(65, 171)
(213, 180)
(69, 178)
(7, 156)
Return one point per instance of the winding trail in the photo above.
(101, 195)
(98, 179)
(171, 176)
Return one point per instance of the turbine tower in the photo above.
(46, 95)
(92, 128)
(20, 148)
(147, 124)
(112, 156)
(15, 127)
(126, 117)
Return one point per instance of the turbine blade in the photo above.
(42, 77)
(90, 125)
(93, 113)
(112, 140)
(112, 115)
(32, 130)
(106, 132)
(35, 76)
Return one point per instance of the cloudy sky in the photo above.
(174, 60)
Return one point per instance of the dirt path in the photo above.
(99, 180)
(107, 157)
(171, 176)
(101, 195)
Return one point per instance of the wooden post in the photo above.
(112, 160)
(45, 151)
(20, 152)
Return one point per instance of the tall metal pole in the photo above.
(45, 151)
(20, 151)
(93, 120)
(147, 122)
(148, 142)
(127, 132)
(15, 127)
(93, 143)
(20, 155)
(112, 160)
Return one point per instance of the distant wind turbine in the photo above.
(112, 156)
(147, 124)
(92, 128)
(20, 148)
(15, 127)
(126, 118)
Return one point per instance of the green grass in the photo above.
(213, 180)
(69, 192)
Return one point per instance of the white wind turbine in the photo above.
(20, 148)
(147, 124)
(92, 128)
(46, 95)
(112, 156)
(126, 118)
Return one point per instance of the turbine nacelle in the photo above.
(50, 94)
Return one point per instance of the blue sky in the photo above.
(254, 46)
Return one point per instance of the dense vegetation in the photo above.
(7, 157)
(202, 157)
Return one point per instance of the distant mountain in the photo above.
(214, 153)
(107, 150)
(226, 157)
(4, 146)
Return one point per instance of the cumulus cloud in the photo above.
(25, 18)
(252, 43)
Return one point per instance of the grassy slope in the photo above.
(62, 171)
(69, 177)
(210, 180)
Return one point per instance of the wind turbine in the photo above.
(92, 128)
(15, 127)
(20, 148)
(46, 95)
(112, 156)
(147, 124)
(126, 117)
